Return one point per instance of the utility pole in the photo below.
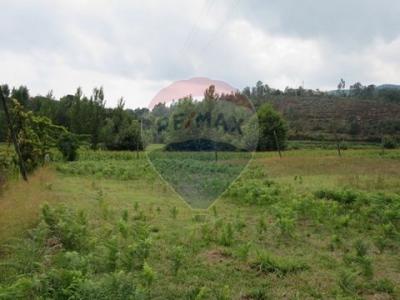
(21, 164)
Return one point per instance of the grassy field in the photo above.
(309, 225)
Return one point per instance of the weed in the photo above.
(243, 251)
(226, 238)
(223, 294)
(384, 286)
(123, 228)
(214, 210)
(347, 282)
(345, 196)
(268, 263)
(148, 275)
(177, 256)
(68, 227)
(174, 212)
(125, 215)
(361, 248)
(199, 218)
(261, 225)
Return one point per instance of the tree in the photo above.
(22, 95)
(356, 89)
(68, 146)
(273, 129)
(341, 85)
(97, 115)
(33, 134)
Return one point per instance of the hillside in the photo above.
(317, 117)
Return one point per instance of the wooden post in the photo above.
(21, 164)
(383, 145)
(140, 138)
(277, 144)
(338, 145)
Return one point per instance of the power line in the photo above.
(207, 5)
(235, 4)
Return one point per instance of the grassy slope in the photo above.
(210, 264)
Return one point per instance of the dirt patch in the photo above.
(216, 256)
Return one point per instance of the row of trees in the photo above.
(389, 93)
(32, 136)
(123, 129)
(119, 128)
(86, 117)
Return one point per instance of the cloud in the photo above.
(135, 48)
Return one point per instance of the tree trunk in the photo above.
(21, 164)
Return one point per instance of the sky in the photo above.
(135, 48)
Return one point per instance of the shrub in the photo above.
(384, 286)
(272, 129)
(243, 251)
(226, 238)
(344, 196)
(68, 146)
(20, 289)
(255, 191)
(174, 212)
(347, 282)
(66, 226)
(148, 275)
(223, 294)
(361, 248)
(389, 142)
(177, 256)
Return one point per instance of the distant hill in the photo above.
(379, 87)
(388, 86)
(319, 117)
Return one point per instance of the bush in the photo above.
(255, 191)
(65, 226)
(68, 146)
(389, 142)
(273, 130)
(342, 196)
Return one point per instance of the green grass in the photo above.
(309, 225)
(199, 177)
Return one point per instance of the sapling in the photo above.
(224, 294)
(123, 228)
(177, 257)
(243, 251)
(125, 215)
(361, 248)
(261, 226)
(226, 238)
(148, 275)
(174, 212)
(214, 210)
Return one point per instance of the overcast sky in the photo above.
(135, 48)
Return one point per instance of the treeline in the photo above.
(311, 114)
(359, 113)
(385, 93)
(87, 117)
